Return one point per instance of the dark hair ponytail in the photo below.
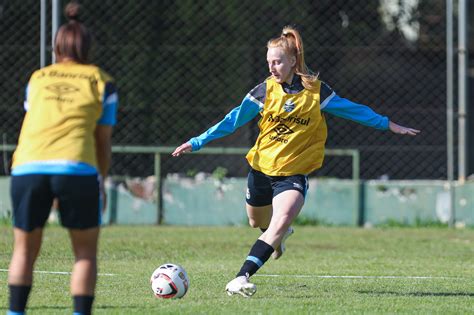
(72, 11)
(73, 40)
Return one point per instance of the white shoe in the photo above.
(242, 286)
(281, 249)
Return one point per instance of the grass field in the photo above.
(325, 270)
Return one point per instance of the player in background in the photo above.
(64, 152)
(291, 104)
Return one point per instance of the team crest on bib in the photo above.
(289, 106)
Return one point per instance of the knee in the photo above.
(85, 252)
(253, 223)
(87, 255)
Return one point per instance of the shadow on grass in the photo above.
(138, 307)
(44, 307)
(69, 307)
(417, 293)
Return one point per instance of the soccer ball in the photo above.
(169, 281)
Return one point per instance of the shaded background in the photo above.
(180, 66)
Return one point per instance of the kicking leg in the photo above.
(286, 207)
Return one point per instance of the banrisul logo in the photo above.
(288, 120)
(289, 106)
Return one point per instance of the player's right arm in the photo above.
(236, 118)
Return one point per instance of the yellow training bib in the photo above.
(64, 104)
(292, 135)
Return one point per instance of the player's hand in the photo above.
(184, 148)
(402, 130)
(104, 201)
(103, 194)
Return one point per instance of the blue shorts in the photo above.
(262, 188)
(78, 200)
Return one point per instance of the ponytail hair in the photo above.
(72, 11)
(292, 43)
(73, 40)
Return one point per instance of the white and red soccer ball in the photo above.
(169, 281)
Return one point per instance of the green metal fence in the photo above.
(180, 66)
(331, 201)
(159, 152)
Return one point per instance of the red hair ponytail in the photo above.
(292, 43)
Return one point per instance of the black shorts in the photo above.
(78, 200)
(262, 188)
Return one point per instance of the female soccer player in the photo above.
(63, 153)
(290, 145)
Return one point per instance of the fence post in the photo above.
(112, 207)
(360, 188)
(159, 207)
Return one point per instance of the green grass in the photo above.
(212, 256)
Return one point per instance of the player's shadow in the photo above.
(43, 308)
(417, 293)
(39, 308)
(113, 307)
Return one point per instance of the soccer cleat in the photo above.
(242, 286)
(280, 249)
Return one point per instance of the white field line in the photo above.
(357, 277)
(275, 276)
(63, 272)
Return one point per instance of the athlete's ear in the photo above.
(293, 61)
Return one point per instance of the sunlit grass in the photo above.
(295, 284)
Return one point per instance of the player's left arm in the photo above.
(362, 114)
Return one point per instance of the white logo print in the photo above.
(289, 106)
(296, 185)
(247, 195)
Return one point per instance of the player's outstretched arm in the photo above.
(395, 128)
(236, 118)
(184, 148)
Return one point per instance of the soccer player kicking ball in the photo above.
(293, 131)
